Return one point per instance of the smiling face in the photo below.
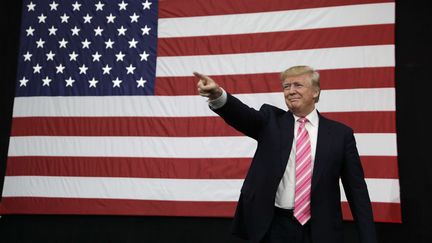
(300, 94)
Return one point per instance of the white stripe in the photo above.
(357, 100)
(122, 188)
(376, 144)
(312, 18)
(380, 190)
(300, 180)
(302, 132)
(159, 147)
(300, 164)
(299, 212)
(304, 146)
(301, 193)
(274, 62)
(380, 99)
(168, 147)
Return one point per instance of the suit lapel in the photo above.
(322, 149)
(287, 136)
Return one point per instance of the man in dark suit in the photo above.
(291, 192)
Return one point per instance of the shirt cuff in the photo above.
(218, 102)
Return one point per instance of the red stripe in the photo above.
(190, 168)
(361, 122)
(200, 168)
(173, 8)
(280, 41)
(383, 167)
(36, 205)
(269, 82)
(121, 126)
(366, 122)
(383, 212)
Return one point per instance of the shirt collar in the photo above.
(312, 117)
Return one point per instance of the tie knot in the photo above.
(302, 120)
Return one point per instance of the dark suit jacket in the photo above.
(336, 157)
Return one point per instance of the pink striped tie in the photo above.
(303, 174)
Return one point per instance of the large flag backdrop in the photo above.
(106, 118)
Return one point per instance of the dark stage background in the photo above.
(413, 94)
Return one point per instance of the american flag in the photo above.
(106, 118)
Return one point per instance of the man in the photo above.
(291, 192)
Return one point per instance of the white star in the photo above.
(93, 82)
(50, 56)
(53, 6)
(99, 6)
(86, 43)
(144, 55)
(122, 30)
(40, 43)
(46, 81)
(119, 56)
(52, 30)
(27, 56)
(117, 82)
(69, 81)
(76, 6)
(62, 43)
(110, 18)
(96, 57)
(106, 69)
(30, 31)
(132, 43)
(64, 18)
(141, 82)
(109, 44)
(98, 31)
(122, 5)
(73, 56)
(134, 18)
(87, 19)
(60, 68)
(37, 68)
(146, 5)
(130, 69)
(83, 69)
(75, 31)
(42, 18)
(23, 81)
(145, 30)
(31, 7)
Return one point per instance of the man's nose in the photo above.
(291, 90)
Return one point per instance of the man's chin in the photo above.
(292, 108)
(292, 104)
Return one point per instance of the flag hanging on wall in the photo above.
(107, 119)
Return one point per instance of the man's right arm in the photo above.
(238, 115)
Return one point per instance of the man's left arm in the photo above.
(356, 191)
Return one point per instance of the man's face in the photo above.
(300, 94)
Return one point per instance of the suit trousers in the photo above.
(285, 228)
